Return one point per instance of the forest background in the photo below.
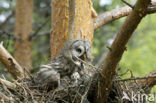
(141, 49)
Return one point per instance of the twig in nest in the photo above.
(137, 78)
(86, 91)
(92, 66)
(127, 4)
(4, 97)
(124, 72)
(76, 95)
(7, 84)
(6, 89)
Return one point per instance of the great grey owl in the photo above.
(67, 63)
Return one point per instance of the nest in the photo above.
(25, 90)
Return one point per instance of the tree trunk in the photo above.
(70, 19)
(23, 29)
(117, 49)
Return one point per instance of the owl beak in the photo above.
(85, 57)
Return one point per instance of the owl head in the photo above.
(77, 48)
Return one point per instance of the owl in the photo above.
(67, 64)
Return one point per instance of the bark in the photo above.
(8, 84)
(70, 19)
(11, 64)
(111, 15)
(149, 82)
(23, 29)
(118, 13)
(117, 49)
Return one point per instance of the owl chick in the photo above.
(66, 63)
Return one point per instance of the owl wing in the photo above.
(47, 75)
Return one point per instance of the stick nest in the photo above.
(25, 90)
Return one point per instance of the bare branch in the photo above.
(119, 13)
(111, 15)
(151, 9)
(11, 64)
(127, 4)
(7, 84)
(7, 19)
(146, 82)
(38, 29)
(137, 78)
(94, 13)
(149, 82)
(117, 49)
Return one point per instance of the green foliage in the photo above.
(141, 49)
(141, 53)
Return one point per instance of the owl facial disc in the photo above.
(76, 49)
(81, 52)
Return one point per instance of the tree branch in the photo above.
(111, 15)
(149, 82)
(146, 82)
(38, 29)
(117, 49)
(7, 84)
(7, 19)
(119, 13)
(11, 64)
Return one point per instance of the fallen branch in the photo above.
(117, 49)
(119, 13)
(11, 64)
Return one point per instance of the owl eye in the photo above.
(79, 50)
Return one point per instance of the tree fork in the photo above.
(117, 49)
(118, 13)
